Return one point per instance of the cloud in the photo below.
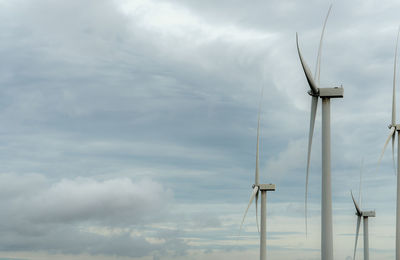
(85, 215)
(113, 104)
(292, 158)
(82, 199)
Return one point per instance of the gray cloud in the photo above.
(85, 216)
(83, 199)
(96, 97)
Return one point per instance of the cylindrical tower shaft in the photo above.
(398, 200)
(326, 202)
(366, 242)
(263, 234)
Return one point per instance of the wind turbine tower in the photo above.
(364, 215)
(392, 135)
(257, 187)
(326, 94)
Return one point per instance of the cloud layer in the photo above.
(84, 215)
(128, 127)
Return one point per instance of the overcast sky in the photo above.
(128, 127)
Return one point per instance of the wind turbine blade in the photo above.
(359, 192)
(394, 164)
(310, 80)
(391, 133)
(257, 177)
(357, 231)
(356, 205)
(258, 227)
(318, 64)
(394, 81)
(394, 98)
(255, 191)
(314, 105)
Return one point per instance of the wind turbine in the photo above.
(257, 187)
(392, 135)
(365, 215)
(325, 94)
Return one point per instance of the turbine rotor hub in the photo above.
(311, 93)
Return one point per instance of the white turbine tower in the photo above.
(325, 94)
(364, 215)
(257, 187)
(392, 135)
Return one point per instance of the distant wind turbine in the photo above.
(257, 187)
(392, 135)
(325, 94)
(365, 215)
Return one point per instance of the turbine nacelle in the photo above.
(370, 213)
(335, 92)
(366, 214)
(266, 187)
(396, 126)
